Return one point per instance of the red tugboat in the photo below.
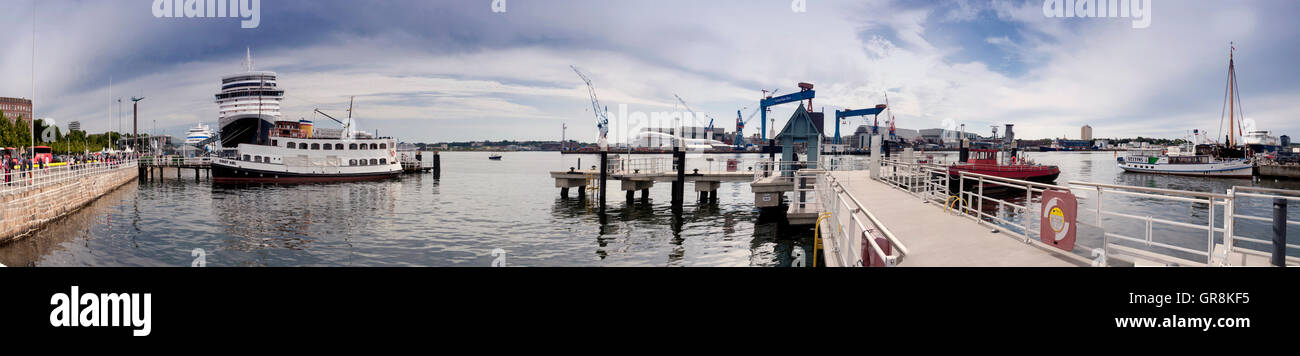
(985, 161)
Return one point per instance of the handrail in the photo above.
(1151, 190)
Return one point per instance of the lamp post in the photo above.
(135, 123)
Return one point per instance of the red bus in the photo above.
(44, 154)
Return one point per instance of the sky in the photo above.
(435, 71)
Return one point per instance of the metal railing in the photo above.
(174, 161)
(17, 182)
(930, 182)
(846, 212)
(783, 169)
(924, 180)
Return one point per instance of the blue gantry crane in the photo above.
(840, 115)
(805, 93)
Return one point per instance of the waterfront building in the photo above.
(16, 107)
(1085, 133)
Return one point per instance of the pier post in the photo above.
(564, 192)
(1279, 232)
(437, 167)
(631, 195)
(679, 185)
(196, 174)
(604, 163)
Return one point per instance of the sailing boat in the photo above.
(1221, 161)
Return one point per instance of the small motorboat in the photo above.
(495, 157)
(986, 161)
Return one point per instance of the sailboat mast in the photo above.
(1232, 80)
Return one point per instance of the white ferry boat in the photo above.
(259, 147)
(1156, 161)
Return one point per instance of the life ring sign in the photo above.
(1058, 221)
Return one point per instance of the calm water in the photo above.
(477, 206)
(480, 205)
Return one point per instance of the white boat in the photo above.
(259, 147)
(1156, 161)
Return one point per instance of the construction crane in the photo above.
(740, 123)
(708, 133)
(602, 117)
(805, 93)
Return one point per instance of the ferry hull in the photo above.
(238, 175)
(1241, 172)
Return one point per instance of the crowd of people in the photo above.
(18, 166)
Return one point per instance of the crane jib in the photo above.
(803, 95)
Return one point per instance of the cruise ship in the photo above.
(197, 136)
(257, 146)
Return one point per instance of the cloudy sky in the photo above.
(429, 71)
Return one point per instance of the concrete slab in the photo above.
(937, 238)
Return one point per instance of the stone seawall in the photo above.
(1279, 171)
(22, 213)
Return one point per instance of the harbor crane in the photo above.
(708, 133)
(805, 93)
(740, 123)
(841, 115)
(602, 116)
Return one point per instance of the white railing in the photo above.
(172, 161)
(924, 180)
(783, 169)
(846, 213)
(17, 182)
(1115, 243)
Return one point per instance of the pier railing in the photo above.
(17, 182)
(1239, 193)
(1117, 225)
(851, 226)
(174, 161)
(924, 180)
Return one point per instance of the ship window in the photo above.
(245, 157)
(328, 147)
(352, 162)
(275, 143)
(315, 146)
(302, 145)
(257, 159)
(338, 146)
(383, 146)
(383, 161)
(374, 161)
(352, 146)
(289, 145)
(374, 146)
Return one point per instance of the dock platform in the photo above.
(936, 238)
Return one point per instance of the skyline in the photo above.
(457, 71)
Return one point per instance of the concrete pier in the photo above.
(938, 238)
(1279, 171)
(630, 182)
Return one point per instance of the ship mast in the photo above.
(1232, 83)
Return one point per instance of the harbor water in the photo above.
(482, 212)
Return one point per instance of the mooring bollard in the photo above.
(1279, 232)
(437, 165)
